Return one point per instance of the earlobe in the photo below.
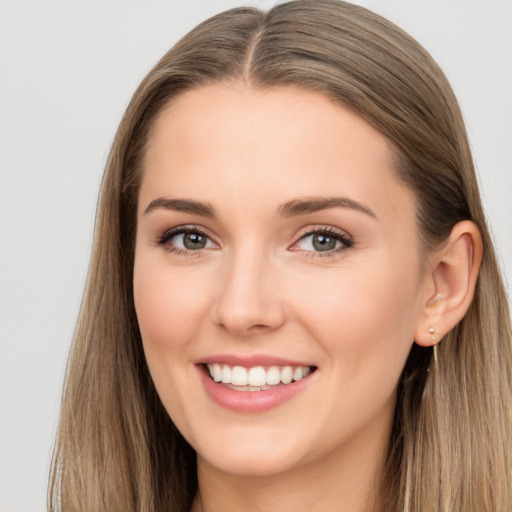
(450, 283)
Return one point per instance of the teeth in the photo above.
(298, 374)
(257, 376)
(226, 374)
(286, 375)
(216, 372)
(239, 376)
(273, 376)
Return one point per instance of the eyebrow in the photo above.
(315, 204)
(181, 205)
(289, 209)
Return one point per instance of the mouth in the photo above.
(255, 378)
(254, 383)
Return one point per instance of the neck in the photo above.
(343, 480)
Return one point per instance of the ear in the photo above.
(449, 283)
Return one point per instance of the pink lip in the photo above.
(250, 361)
(251, 401)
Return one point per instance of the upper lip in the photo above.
(250, 361)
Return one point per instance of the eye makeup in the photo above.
(190, 240)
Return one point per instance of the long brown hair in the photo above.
(450, 450)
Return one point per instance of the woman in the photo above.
(293, 298)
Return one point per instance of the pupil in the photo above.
(194, 241)
(324, 243)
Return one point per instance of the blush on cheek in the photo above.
(356, 317)
(165, 310)
(152, 312)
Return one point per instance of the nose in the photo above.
(248, 301)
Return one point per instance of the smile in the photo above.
(257, 378)
(273, 382)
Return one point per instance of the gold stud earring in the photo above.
(433, 333)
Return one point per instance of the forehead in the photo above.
(290, 141)
(243, 112)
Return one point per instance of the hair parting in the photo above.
(450, 449)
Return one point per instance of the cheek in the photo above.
(364, 317)
(168, 310)
(168, 306)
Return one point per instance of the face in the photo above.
(277, 277)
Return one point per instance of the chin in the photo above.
(253, 463)
(251, 451)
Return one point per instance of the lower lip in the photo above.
(251, 401)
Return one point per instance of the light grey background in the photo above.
(67, 70)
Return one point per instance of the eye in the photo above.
(325, 240)
(186, 240)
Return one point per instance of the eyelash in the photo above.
(346, 241)
(168, 235)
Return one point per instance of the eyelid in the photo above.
(346, 240)
(342, 236)
(167, 235)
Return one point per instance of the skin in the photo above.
(260, 287)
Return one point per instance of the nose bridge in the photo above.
(248, 300)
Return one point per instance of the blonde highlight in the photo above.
(117, 448)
